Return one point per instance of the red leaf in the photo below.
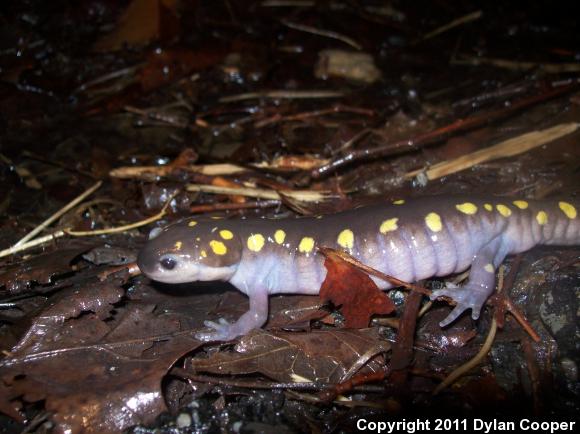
(346, 285)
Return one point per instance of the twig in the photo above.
(158, 116)
(58, 234)
(455, 23)
(124, 228)
(302, 195)
(519, 317)
(33, 243)
(58, 214)
(305, 385)
(287, 3)
(393, 280)
(471, 363)
(284, 94)
(549, 68)
(434, 136)
(507, 148)
(148, 172)
(326, 33)
(233, 206)
(276, 118)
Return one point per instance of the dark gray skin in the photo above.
(411, 240)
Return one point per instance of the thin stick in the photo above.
(58, 214)
(30, 244)
(471, 363)
(326, 33)
(457, 22)
(326, 251)
(58, 234)
(148, 172)
(124, 228)
(507, 148)
(549, 68)
(303, 195)
(283, 94)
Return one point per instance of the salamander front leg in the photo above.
(254, 318)
(480, 286)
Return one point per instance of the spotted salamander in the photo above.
(408, 239)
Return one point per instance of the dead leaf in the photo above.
(108, 254)
(67, 304)
(319, 356)
(295, 312)
(82, 358)
(354, 291)
(41, 268)
(143, 22)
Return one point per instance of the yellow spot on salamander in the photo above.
(467, 208)
(226, 235)
(203, 254)
(346, 239)
(178, 245)
(279, 236)
(192, 223)
(542, 218)
(255, 242)
(521, 204)
(568, 209)
(399, 202)
(489, 268)
(389, 225)
(503, 210)
(488, 207)
(433, 222)
(218, 247)
(306, 245)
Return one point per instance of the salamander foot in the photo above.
(467, 297)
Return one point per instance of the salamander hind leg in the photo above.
(480, 286)
(254, 318)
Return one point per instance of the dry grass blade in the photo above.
(59, 213)
(507, 148)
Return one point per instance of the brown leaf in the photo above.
(319, 356)
(295, 312)
(67, 304)
(354, 290)
(143, 21)
(40, 268)
(82, 359)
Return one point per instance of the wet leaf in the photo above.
(89, 351)
(432, 336)
(111, 255)
(319, 356)
(354, 291)
(40, 269)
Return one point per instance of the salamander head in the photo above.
(190, 251)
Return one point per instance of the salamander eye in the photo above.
(168, 262)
